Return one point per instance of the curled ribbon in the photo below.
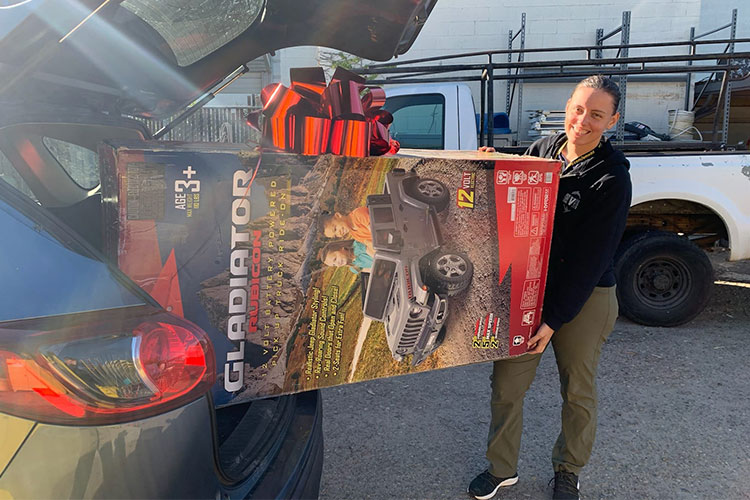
(344, 117)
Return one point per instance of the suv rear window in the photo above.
(81, 164)
(9, 174)
(195, 28)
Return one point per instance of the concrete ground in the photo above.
(674, 418)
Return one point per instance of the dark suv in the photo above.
(102, 392)
(412, 274)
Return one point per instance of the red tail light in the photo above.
(102, 367)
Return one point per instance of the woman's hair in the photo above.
(601, 82)
(334, 246)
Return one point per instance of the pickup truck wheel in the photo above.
(430, 191)
(449, 273)
(662, 279)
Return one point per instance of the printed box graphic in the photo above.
(314, 271)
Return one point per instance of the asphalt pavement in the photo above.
(673, 418)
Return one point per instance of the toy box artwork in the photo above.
(314, 271)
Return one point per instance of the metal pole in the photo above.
(625, 39)
(482, 106)
(600, 42)
(722, 94)
(508, 83)
(375, 68)
(728, 93)
(490, 104)
(689, 76)
(519, 106)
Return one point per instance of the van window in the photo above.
(418, 120)
(9, 174)
(81, 164)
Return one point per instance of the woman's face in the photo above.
(588, 114)
(337, 258)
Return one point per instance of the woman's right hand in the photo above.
(486, 149)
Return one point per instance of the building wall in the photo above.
(457, 26)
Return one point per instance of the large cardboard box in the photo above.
(313, 271)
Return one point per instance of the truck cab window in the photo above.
(418, 120)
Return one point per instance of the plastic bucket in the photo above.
(681, 124)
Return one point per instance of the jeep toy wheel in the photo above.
(449, 272)
(430, 191)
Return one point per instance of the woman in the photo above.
(580, 306)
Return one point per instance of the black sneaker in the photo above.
(485, 485)
(566, 486)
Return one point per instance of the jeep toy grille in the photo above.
(410, 334)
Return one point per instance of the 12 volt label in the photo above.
(466, 194)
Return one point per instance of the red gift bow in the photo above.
(312, 118)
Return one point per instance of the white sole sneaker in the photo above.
(506, 482)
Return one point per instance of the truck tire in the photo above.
(430, 191)
(449, 273)
(662, 279)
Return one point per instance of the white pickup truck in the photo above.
(682, 202)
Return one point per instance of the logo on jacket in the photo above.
(571, 201)
(598, 184)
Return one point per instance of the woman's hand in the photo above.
(539, 341)
(486, 149)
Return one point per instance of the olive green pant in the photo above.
(577, 347)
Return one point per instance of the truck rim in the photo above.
(663, 282)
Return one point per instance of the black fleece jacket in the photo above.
(590, 215)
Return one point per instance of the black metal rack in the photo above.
(727, 63)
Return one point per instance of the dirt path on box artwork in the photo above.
(358, 349)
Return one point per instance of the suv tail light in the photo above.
(102, 367)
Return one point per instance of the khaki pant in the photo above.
(577, 347)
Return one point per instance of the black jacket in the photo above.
(590, 215)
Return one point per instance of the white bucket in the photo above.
(681, 124)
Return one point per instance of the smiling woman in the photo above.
(580, 305)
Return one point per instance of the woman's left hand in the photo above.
(539, 341)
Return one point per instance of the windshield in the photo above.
(379, 284)
(195, 28)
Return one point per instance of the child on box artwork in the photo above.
(346, 253)
(355, 224)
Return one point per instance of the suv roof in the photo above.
(153, 57)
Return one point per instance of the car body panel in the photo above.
(118, 461)
(14, 433)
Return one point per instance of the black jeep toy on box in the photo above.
(412, 275)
